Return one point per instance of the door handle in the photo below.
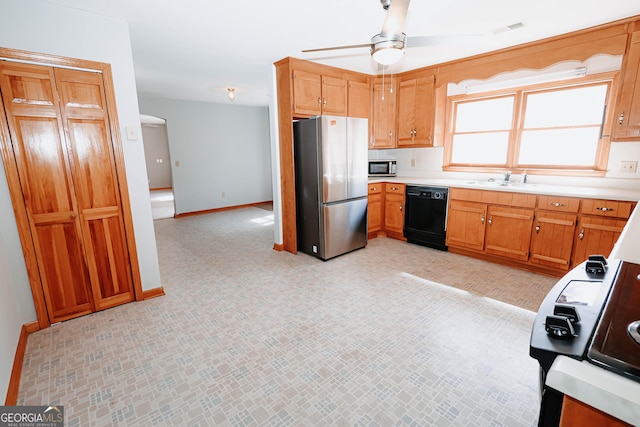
(538, 228)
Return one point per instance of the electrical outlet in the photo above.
(629, 166)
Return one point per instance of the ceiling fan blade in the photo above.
(352, 46)
(423, 41)
(395, 19)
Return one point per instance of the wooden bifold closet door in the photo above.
(61, 141)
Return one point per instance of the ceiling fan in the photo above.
(389, 45)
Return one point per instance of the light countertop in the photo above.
(545, 189)
(611, 393)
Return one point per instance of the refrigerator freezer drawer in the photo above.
(344, 227)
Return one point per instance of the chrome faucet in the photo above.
(507, 176)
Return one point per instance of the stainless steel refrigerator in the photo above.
(330, 155)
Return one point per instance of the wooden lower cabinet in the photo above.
(394, 208)
(596, 235)
(375, 208)
(508, 232)
(552, 239)
(465, 225)
(542, 233)
(578, 414)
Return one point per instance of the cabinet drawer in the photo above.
(394, 188)
(558, 204)
(606, 208)
(375, 188)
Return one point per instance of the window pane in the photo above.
(571, 147)
(480, 148)
(568, 107)
(486, 114)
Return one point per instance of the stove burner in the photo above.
(634, 330)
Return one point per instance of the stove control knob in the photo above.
(567, 310)
(559, 327)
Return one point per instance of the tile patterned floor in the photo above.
(392, 335)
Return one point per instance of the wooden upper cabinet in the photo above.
(384, 115)
(359, 99)
(626, 125)
(334, 96)
(314, 94)
(416, 108)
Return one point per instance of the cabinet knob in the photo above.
(490, 220)
(557, 205)
(538, 228)
(482, 219)
(605, 209)
(319, 101)
(324, 101)
(73, 215)
(400, 207)
(390, 134)
(581, 235)
(621, 119)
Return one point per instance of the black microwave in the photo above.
(383, 168)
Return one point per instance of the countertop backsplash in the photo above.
(427, 163)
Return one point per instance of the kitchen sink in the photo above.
(501, 184)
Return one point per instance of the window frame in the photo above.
(599, 167)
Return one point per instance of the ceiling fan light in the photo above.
(388, 55)
(387, 50)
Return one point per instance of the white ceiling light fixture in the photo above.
(231, 93)
(387, 50)
(529, 80)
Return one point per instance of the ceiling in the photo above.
(195, 49)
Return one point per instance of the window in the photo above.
(534, 128)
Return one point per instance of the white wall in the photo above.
(220, 148)
(427, 163)
(40, 26)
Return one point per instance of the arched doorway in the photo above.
(157, 159)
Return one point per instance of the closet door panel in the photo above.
(96, 183)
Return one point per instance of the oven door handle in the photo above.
(634, 330)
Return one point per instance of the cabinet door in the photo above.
(359, 100)
(334, 96)
(552, 240)
(627, 117)
(466, 224)
(415, 112)
(406, 111)
(374, 213)
(509, 232)
(307, 93)
(83, 108)
(394, 208)
(44, 169)
(596, 235)
(384, 107)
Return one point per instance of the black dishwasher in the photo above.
(425, 218)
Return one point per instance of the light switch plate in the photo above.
(629, 166)
(132, 133)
